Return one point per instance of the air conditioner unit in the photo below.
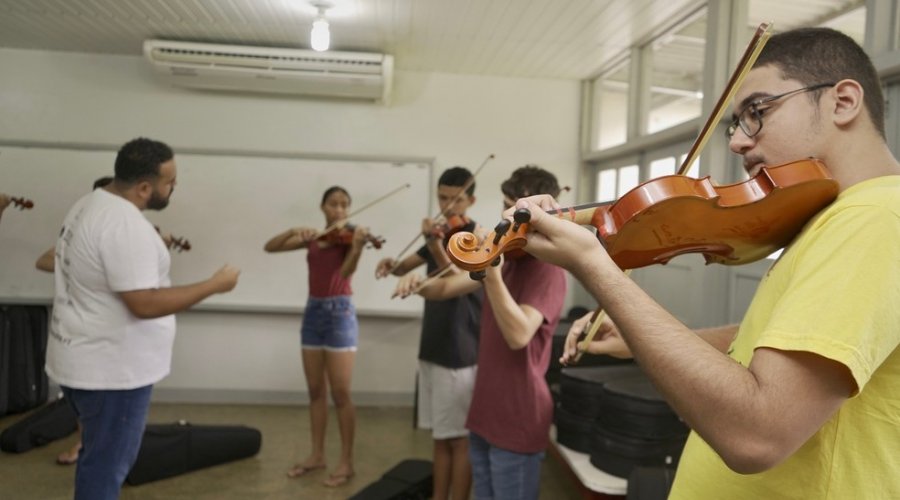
(353, 75)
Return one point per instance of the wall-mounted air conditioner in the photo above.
(353, 75)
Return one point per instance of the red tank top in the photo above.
(325, 278)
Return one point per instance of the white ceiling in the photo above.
(569, 39)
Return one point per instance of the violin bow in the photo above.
(430, 279)
(341, 222)
(441, 214)
(751, 53)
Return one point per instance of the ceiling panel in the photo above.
(570, 39)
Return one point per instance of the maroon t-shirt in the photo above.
(511, 406)
(325, 278)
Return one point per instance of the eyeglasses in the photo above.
(750, 118)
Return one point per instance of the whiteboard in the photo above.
(227, 205)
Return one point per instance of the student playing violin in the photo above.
(800, 399)
(511, 410)
(329, 333)
(448, 347)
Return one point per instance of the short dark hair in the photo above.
(102, 182)
(530, 180)
(139, 160)
(457, 176)
(822, 55)
(332, 190)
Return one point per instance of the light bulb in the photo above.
(320, 37)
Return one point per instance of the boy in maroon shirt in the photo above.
(511, 411)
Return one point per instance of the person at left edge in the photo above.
(113, 323)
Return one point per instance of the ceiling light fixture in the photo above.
(320, 36)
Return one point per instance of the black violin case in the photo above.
(650, 483)
(410, 479)
(172, 449)
(23, 347)
(635, 427)
(581, 388)
(50, 422)
(579, 401)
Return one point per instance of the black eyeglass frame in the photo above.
(753, 108)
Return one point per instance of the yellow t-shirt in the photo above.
(834, 292)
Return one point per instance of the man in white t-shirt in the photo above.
(113, 322)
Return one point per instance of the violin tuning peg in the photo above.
(496, 262)
(477, 275)
(521, 216)
(500, 230)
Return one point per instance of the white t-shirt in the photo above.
(107, 246)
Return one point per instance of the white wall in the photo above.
(455, 119)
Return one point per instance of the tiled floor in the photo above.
(384, 436)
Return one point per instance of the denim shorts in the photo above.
(329, 323)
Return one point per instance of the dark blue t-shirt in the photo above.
(450, 327)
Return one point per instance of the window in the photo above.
(676, 77)
(609, 111)
(606, 185)
(614, 182)
(662, 166)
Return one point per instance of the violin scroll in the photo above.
(509, 237)
(181, 244)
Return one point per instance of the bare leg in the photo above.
(339, 366)
(317, 385)
(70, 456)
(443, 467)
(461, 476)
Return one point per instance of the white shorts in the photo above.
(444, 398)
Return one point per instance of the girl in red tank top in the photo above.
(330, 330)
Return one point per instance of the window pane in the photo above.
(694, 171)
(677, 76)
(825, 14)
(628, 178)
(609, 114)
(662, 166)
(606, 185)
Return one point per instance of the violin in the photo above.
(674, 215)
(178, 243)
(22, 203)
(181, 244)
(344, 236)
(452, 224)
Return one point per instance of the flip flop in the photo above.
(335, 480)
(299, 470)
